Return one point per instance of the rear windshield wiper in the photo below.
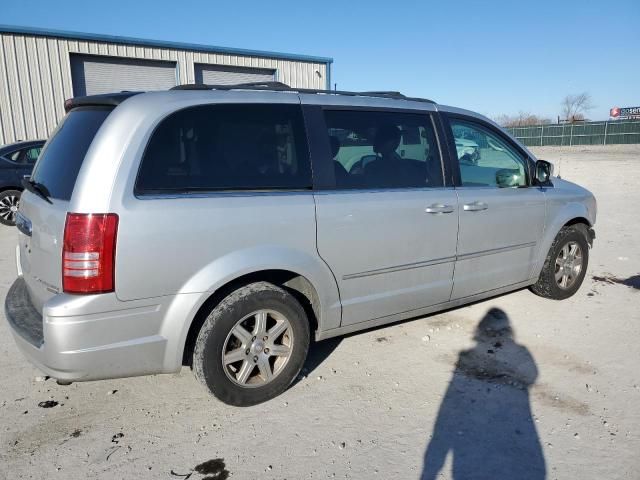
(37, 188)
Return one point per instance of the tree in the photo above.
(522, 119)
(575, 107)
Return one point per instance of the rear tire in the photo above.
(9, 201)
(565, 266)
(252, 345)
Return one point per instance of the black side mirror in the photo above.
(544, 171)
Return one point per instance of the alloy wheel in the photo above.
(257, 348)
(9, 207)
(568, 265)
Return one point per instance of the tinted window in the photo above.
(226, 147)
(31, 155)
(485, 159)
(26, 155)
(61, 159)
(383, 150)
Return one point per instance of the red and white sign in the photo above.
(625, 112)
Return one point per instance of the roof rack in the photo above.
(283, 87)
(236, 86)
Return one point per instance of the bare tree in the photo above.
(522, 119)
(575, 107)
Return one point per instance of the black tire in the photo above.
(8, 206)
(208, 351)
(547, 286)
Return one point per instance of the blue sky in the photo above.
(493, 57)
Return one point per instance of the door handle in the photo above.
(475, 206)
(439, 208)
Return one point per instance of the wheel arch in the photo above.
(574, 213)
(295, 283)
(577, 220)
(587, 226)
(5, 188)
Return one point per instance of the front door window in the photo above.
(485, 159)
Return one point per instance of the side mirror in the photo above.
(367, 159)
(506, 178)
(544, 171)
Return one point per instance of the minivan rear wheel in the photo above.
(9, 202)
(565, 266)
(252, 345)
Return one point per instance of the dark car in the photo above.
(16, 161)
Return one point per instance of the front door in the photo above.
(387, 227)
(501, 215)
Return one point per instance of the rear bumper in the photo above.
(78, 338)
(23, 318)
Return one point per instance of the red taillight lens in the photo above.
(89, 253)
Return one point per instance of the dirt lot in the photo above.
(562, 396)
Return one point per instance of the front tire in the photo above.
(9, 202)
(252, 345)
(565, 266)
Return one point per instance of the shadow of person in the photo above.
(485, 417)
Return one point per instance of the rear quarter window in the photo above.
(60, 161)
(227, 147)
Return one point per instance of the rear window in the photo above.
(227, 147)
(60, 161)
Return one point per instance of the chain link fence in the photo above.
(587, 133)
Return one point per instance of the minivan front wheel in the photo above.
(9, 201)
(252, 345)
(565, 266)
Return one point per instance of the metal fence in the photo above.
(587, 133)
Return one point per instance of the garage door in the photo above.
(227, 75)
(92, 74)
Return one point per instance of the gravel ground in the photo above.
(560, 397)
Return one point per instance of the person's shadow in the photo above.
(485, 417)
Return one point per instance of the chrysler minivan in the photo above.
(224, 228)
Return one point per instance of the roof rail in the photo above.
(385, 92)
(282, 87)
(236, 86)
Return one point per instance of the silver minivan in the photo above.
(225, 227)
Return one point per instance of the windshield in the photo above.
(60, 161)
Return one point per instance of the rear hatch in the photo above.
(44, 206)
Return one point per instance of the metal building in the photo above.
(39, 69)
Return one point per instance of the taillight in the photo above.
(89, 253)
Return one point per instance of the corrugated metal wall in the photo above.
(226, 75)
(97, 74)
(35, 76)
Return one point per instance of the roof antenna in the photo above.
(559, 165)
